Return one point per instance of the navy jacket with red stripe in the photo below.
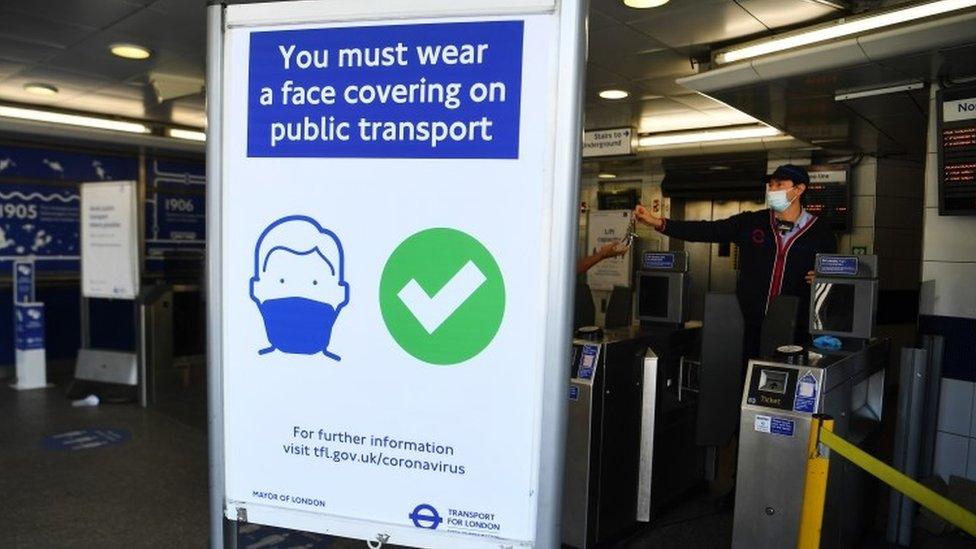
(767, 267)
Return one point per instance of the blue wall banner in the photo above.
(56, 165)
(175, 210)
(175, 174)
(40, 221)
(23, 281)
(174, 219)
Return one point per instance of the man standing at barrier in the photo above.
(778, 247)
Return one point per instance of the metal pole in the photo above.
(563, 240)
(139, 305)
(815, 485)
(934, 345)
(911, 387)
(215, 400)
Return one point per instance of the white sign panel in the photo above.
(961, 109)
(827, 176)
(608, 142)
(109, 240)
(384, 330)
(607, 227)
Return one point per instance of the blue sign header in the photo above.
(656, 260)
(446, 90)
(837, 265)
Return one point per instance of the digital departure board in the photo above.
(957, 151)
(828, 196)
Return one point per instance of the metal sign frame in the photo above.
(560, 190)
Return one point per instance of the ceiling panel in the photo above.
(690, 24)
(598, 21)
(784, 13)
(12, 49)
(36, 29)
(663, 86)
(181, 31)
(92, 57)
(613, 42)
(698, 101)
(656, 64)
(9, 67)
(617, 10)
(662, 105)
(96, 15)
(69, 86)
(605, 115)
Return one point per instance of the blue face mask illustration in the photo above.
(299, 285)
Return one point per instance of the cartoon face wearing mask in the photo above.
(299, 285)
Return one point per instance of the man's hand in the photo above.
(645, 216)
(612, 249)
(809, 277)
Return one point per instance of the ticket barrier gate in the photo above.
(780, 397)
(630, 445)
(630, 442)
(172, 368)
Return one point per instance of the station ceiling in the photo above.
(66, 44)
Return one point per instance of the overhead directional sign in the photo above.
(385, 336)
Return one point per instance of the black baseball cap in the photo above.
(790, 172)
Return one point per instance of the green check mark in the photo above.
(442, 296)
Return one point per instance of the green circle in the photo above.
(467, 314)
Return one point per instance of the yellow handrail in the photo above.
(936, 503)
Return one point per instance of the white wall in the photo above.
(948, 277)
(948, 247)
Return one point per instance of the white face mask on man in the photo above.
(778, 200)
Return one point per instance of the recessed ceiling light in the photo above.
(40, 89)
(614, 94)
(130, 51)
(644, 4)
(719, 168)
(607, 176)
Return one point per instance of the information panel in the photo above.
(386, 333)
(957, 151)
(609, 227)
(109, 240)
(828, 195)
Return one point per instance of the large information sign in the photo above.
(392, 342)
(109, 240)
(957, 151)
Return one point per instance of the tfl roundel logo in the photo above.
(425, 516)
(758, 236)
